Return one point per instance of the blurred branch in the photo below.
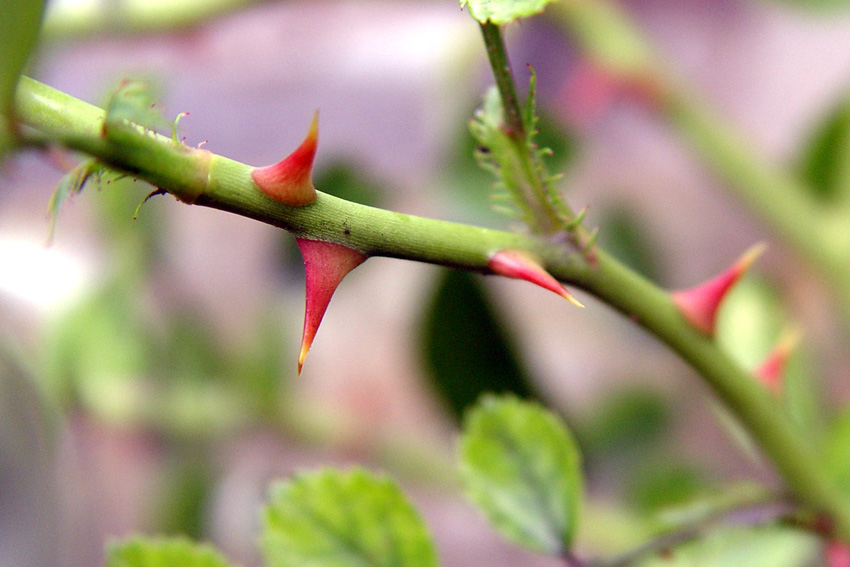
(202, 178)
(75, 20)
(821, 234)
(749, 509)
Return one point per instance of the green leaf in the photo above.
(825, 163)
(466, 348)
(134, 101)
(19, 24)
(70, 185)
(344, 519)
(172, 552)
(631, 421)
(750, 320)
(503, 11)
(520, 465)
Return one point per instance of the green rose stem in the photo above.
(210, 180)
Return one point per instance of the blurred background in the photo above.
(148, 366)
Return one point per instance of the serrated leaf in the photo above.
(335, 518)
(503, 11)
(520, 465)
(19, 24)
(165, 552)
(466, 346)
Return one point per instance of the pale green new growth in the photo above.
(503, 11)
(334, 518)
(520, 465)
(167, 552)
(523, 186)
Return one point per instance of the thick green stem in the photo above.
(210, 180)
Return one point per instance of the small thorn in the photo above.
(158, 191)
(772, 370)
(700, 304)
(290, 180)
(518, 264)
(325, 265)
(837, 554)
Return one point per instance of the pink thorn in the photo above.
(772, 370)
(290, 180)
(518, 264)
(325, 264)
(700, 304)
(837, 554)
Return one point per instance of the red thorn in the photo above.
(772, 370)
(521, 265)
(325, 264)
(837, 554)
(699, 304)
(290, 180)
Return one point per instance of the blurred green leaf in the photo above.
(184, 495)
(631, 420)
(503, 11)
(658, 485)
(742, 547)
(348, 180)
(825, 160)
(20, 21)
(466, 347)
(98, 352)
(147, 552)
(624, 236)
(339, 519)
(836, 450)
(520, 465)
(750, 320)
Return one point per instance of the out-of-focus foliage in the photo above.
(142, 552)
(333, 518)
(466, 347)
(19, 24)
(742, 547)
(749, 325)
(825, 160)
(521, 466)
(624, 236)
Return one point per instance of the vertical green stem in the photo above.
(501, 66)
